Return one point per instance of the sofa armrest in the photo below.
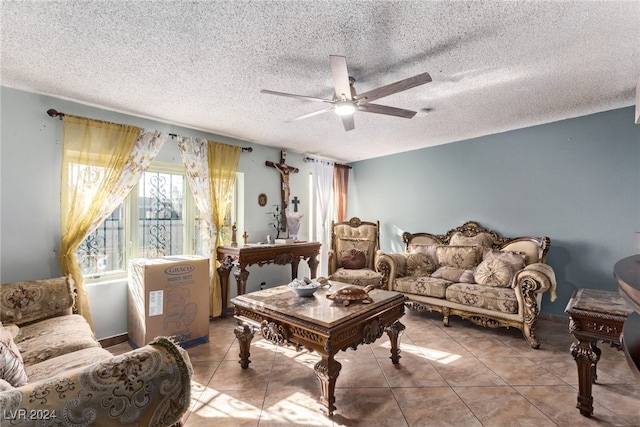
(391, 266)
(149, 386)
(26, 302)
(536, 278)
(332, 262)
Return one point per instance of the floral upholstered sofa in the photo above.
(473, 273)
(54, 372)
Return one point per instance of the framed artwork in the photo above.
(262, 199)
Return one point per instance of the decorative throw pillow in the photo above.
(459, 239)
(517, 260)
(363, 245)
(11, 364)
(454, 274)
(464, 257)
(353, 259)
(420, 265)
(494, 272)
(424, 249)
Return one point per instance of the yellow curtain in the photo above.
(223, 165)
(94, 155)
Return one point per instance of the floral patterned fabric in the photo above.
(54, 337)
(101, 163)
(420, 264)
(24, 302)
(465, 257)
(211, 171)
(482, 239)
(362, 277)
(149, 386)
(491, 298)
(516, 260)
(427, 286)
(65, 362)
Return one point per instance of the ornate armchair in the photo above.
(352, 254)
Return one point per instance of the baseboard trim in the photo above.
(554, 318)
(117, 339)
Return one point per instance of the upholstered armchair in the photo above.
(352, 254)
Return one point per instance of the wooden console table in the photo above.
(241, 257)
(594, 315)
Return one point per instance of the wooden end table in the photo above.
(594, 315)
(318, 324)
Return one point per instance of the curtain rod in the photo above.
(54, 113)
(311, 159)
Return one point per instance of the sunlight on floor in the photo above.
(215, 404)
(442, 357)
(295, 408)
(310, 358)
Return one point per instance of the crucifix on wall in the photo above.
(285, 191)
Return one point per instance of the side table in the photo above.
(594, 315)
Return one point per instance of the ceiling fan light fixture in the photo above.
(345, 108)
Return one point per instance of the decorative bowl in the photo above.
(304, 288)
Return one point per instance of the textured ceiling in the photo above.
(495, 66)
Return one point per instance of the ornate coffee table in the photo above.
(320, 325)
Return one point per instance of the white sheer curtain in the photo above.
(323, 187)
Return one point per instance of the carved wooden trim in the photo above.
(284, 259)
(274, 332)
(472, 229)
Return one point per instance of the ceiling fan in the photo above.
(346, 101)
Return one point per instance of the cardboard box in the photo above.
(169, 296)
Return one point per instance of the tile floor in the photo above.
(462, 375)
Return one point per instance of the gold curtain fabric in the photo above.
(211, 169)
(340, 187)
(101, 163)
(223, 165)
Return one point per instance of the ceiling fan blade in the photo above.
(290, 95)
(384, 109)
(340, 76)
(348, 123)
(315, 113)
(392, 88)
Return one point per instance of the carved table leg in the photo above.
(223, 274)
(327, 371)
(244, 333)
(586, 354)
(241, 275)
(313, 266)
(393, 331)
(294, 267)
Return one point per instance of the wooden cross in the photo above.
(285, 191)
(245, 236)
(295, 202)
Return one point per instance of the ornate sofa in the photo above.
(473, 273)
(54, 372)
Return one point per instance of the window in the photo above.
(158, 218)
